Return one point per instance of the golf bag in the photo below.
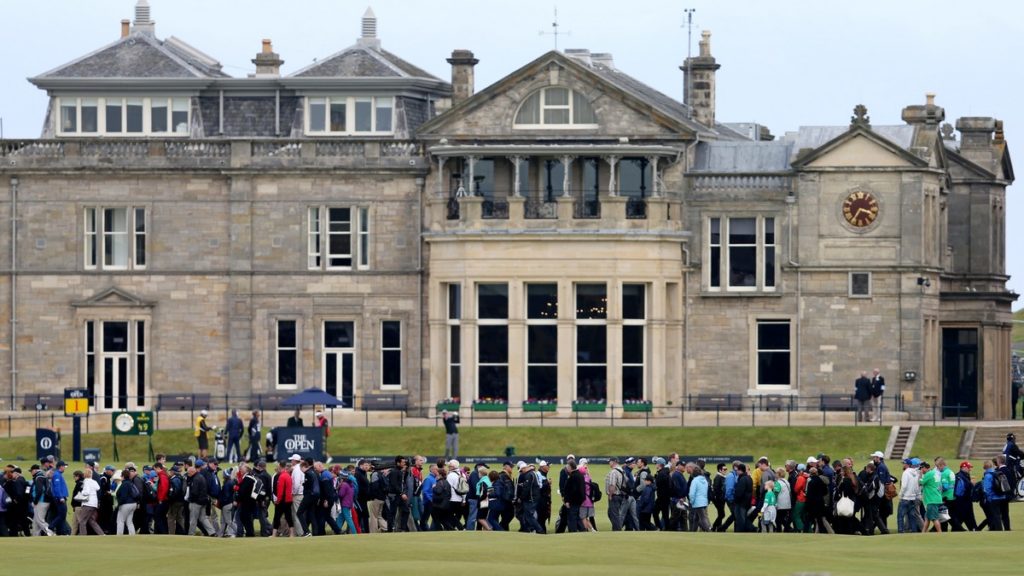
(220, 450)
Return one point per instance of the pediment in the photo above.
(113, 297)
(860, 151)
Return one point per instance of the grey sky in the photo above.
(784, 64)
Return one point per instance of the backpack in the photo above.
(258, 491)
(441, 493)
(378, 487)
(462, 488)
(890, 491)
(42, 494)
(595, 492)
(175, 493)
(1001, 484)
(978, 493)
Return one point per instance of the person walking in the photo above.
(234, 429)
(59, 505)
(931, 494)
(995, 499)
(283, 501)
(451, 434)
(528, 494)
(800, 490)
(346, 500)
(574, 493)
(128, 498)
(908, 516)
(718, 496)
(253, 431)
(743, 495)
(662, 493)
(162, 505)
(198, 498)
(862, 394)
(784, 501)
(88, 511)
(699, 500)
(614, 491)
(40, 499)
(963, 489)
(298, 478)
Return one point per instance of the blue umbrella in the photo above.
(313, 396)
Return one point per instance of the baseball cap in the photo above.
(61, 463)
(319, 414)
(630, 460)
(659, 460)
(200, 462)
(801, 467)
(295, 458)
(908, 461)
(109, 467)
(966, 464)
(570, 457)
(203, 412)
(520, 465)
(812, 460)
(542, 463)
(877, 454)
(915, 461)
(584, 461)
(483, 465)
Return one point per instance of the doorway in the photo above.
(114, 365)
(339, 361)
(960, 372)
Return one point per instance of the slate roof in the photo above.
(666, 104)
(138, 55)
(363, 61)
(813, 137)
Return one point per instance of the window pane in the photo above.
(140, 380)
(179, 115)
(391, 334)
(769, 230)
(494, 382)
(743, 266)
(317, 114)
(591, 345)
(529, 112)
(140, 337)
(114, 115)
(364, 114)
(455, 345)
(483, 178)
(454, 301)
(591, 383)
(384, 107)
(554, 179)
(493, 344)
(134, 114)
(90, 345)
(773, 335)
(556, 97)
(591, 301)
(591, 177)
(769, 267)
(542, 383)
(115, 336)
(492, 301)
(716, 267)
(716, 231)
(286, 334)
(633, 301)
(455, 382)
(286, 368)
(632, 383)
(339, 335)
(158, 115)
(339, 219)
(338, 115)
(742, 231)
(556, 116)
(582, 112)
(632, 344)
(69, 116)
(391, 370)
(90, 115)
(860, 284)
(633, 177)
(542, 301)
(140, 236)
(115, 237)
(542, 344)
(773, 368)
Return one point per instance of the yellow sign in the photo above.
(76, 402)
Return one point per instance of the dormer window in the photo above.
(370, 115)
(556, 107)
(123, 116)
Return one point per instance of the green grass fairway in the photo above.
(496, 554)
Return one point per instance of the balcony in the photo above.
(586, 209)
(138, 154)
(534, 209)
(494, 209)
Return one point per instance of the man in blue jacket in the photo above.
(995, 504)
(679, 491)
(59, 506)
(234, 428)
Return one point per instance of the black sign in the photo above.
(306, 442)
(47, 443)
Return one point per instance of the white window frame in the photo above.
(350, 115)
(526, 336)
(353, 350)
(95, 237)
(318, 235)
(492, 322)
(132, 356)
(173, 104)
(453, 319)
(278, 348)
(756, 349)
(642, 323)
(762, 248)
(577, 322)
(543, 105)
(870, 291)
(401, 358)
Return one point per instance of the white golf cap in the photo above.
(319, 414)
(520, 465)
(203, 412)
(877, 454)
(295, 458)
(542, 463)
(812, 460)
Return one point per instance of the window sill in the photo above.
(741, 294)
(391, 387)
(773, 391)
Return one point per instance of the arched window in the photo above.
(555, 107)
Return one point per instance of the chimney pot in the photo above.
(267, 46)
(699, 85)
(268, 63)
(462, 62)
(125, 27)
(930, 98)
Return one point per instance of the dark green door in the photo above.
(960, 372)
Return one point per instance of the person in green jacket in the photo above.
(931, 491)
(947, 482)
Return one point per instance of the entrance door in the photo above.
(960, 371)
(114, 372)
(339, 361)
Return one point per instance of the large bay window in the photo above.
(123, 115)
(634, 340)
(349, 114)
(115, 238)
(338, 238)
(591, 342)
(492, 341)
(541, 342)
(740, 254)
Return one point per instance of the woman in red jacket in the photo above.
(283, 501)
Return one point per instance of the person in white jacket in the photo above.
(88, 512)
(908, 518)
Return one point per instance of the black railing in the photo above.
(453, 208)
(636, 209)
(494, 209)
(586, 209)
(534, 209)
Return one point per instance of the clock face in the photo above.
(124, 422)
(860, 209)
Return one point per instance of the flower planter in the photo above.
(449, 406)
(490, 407)
(538, 407)
(590, 407)
(638, 407)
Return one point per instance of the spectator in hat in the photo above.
(544, 509)
(908, 516)
(962, 517)
(106, 499)
(128, 497)
(200, 432)
(282, 497)
(298, 479)
(662, 493)
(995, 505)
(800, 505)
(59, 495)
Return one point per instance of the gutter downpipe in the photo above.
(14, 291)
(686, 284)
(790, 202)
(421, 186)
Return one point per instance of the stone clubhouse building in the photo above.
(565, 237)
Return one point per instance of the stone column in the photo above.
(613, 183)
(515, 160)
(516, 347)
(653, 161)
(566, 359)
(567, 176)
(438, 344)
(471, 160)
(614, 345)
(655, 350)
(440, 176)
(468, 336)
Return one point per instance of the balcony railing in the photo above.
(586, 209)
(535, 209)
(494, 209)
(636, 209)
(452, 207)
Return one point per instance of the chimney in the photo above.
(976, 140)
(143, 22)
(699, 85)
(462, 62)
(125, 27)
(582, 55)
(603, 59)
(369, 37)
(268, 63)
(928, 115)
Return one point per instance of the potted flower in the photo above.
(540, 405)
(449, 404)
(589, 405)
(637, 405)
(490, 405)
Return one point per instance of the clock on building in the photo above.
(860, 209)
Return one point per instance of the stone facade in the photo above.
(567, 234)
